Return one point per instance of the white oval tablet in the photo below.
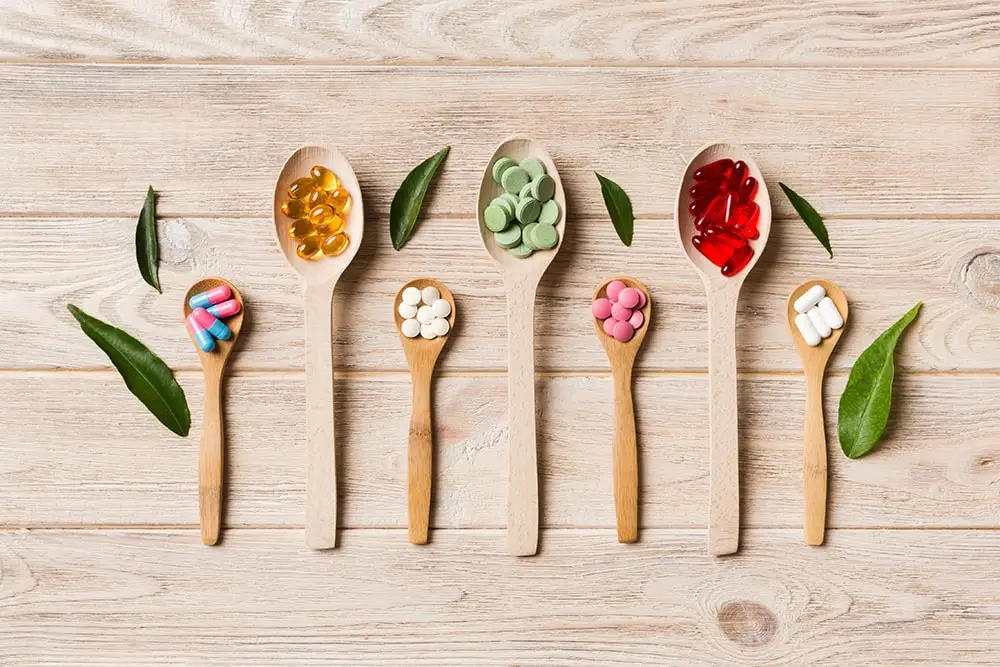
(430, 294)
(808, 331)
(440, 326)
(425, 314)
(411, 296)
(817, 321)
(832, 316)
(441, 308)
(406, 311)
(812, 296)
(427, 331)
(410, 328)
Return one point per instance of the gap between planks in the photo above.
(10, 529)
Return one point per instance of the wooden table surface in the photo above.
(884, 114)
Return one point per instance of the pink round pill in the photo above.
(620, 312)
(623, 332)
(629, 297)
(637, 319)
(601, 308)
(609, 326)
(614, 288)
(642, 299)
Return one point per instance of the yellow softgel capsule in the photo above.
(300, 188)
(334, 245)
(320, 214)
(294, 208)
(308, 247)
(336, 224)
(317, 197)
(339, 199)
(324, 178)
(300, 229)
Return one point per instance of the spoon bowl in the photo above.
(618, 352)
(816, 357)
(211, 454)
(420, 351)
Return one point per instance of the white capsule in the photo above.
(411, 296)
(430, 294)
(425, 314)
(809, 299)
(410, 328)
(440, 326)
(441, 308)
(808, 331)
(427, 331)
(832, 316)
(817, 321)
(406, 311)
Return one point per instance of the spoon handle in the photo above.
(724, 481)
(210, 460)
(321, 481)
(814, 464)
(626, 459)
(420, 456)
(522, 490)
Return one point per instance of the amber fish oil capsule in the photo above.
(324, 178)
(300, 187)
(294, 208)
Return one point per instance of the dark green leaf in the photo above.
(809, 216)
(865, 403)
(619, 208)
(144, 373)
(147, 250)
(410, 197)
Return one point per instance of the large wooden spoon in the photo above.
(319, 277)
(521, 278)
(211, 455)
(421, 356)
(814, 360)
(624, 452)
(723, 294)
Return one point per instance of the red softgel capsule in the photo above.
(737, 261)
(722, 236)
(745, 219)
(714, 215)
(717, 253)
(737, 175)
(718, 169)
(747, 191)
(696, 207)
(705, 189)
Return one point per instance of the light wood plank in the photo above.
(806, 32)
(914, 598)
(45, 263)
(90, 139)
(105, 461)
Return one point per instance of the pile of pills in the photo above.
(817, 315)
(424, 313)
(621, 311)
(318, 206)
(523, 219)
(208, 310)
(725, 214)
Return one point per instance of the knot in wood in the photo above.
(981, 276)
(747, 623)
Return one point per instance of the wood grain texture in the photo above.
(950, 265)
(108, 597)
(937, 467)
(855, 142)
(668, 32)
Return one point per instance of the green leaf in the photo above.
(619, 208)
(410, 197)
(147, 250)
(865, 403)
(809, 216)
(144, 373)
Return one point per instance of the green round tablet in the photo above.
(526, 235)
(509, 198)
(495, 218)
(513, 179)
(505, 205)
(527, 210)
(550, 213)
(500, 166)
(543, 188)
(509, 237)
(533, 166)
(545, 237)
(525, 191)
(522, 251)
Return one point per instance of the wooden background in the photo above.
(885, 114)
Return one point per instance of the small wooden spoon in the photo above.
(319, 277)
(621, 356)
(421, 356)
(723, 294)
(521, 278)
(814, 360)
(213, 440)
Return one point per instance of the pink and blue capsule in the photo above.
(225, 309)
(211, 297)
(201, 337)
(210, 324)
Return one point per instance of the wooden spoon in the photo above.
(521, 278)
(814, 361)
(723, 294)
(421, 356)
(319, 277)
(621, 356)
(213, 440)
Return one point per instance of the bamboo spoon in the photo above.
(621, 356)
(213, 441)
(521, 278)
(723, 294)
(421, 355)
(814, 360)
(319, 277)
